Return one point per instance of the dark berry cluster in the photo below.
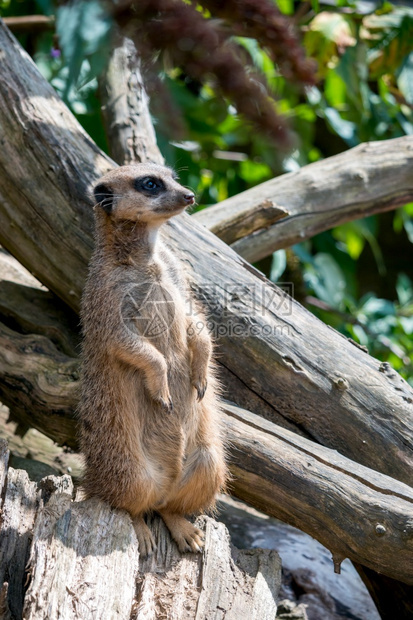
(202, 47)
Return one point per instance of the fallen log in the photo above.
(348, 401)
(372, 178)
(83, 562)
(354, 511)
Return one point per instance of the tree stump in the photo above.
(65, 557)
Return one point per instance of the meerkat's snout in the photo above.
(189, 198)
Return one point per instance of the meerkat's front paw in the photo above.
(163, 398)
(166, 404)
(200, 387)
(191, 540)
(199, 381)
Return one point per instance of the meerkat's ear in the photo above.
(104, 197)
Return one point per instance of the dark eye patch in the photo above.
(150, 186)
(104, 197)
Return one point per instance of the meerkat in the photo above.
(149, 409)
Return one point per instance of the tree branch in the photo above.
(352, 510)
(367, 179)
(29, 23)
(130, 131)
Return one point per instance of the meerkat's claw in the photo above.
(192, 541)
(188, 537)
(167, 405)
(201, 389)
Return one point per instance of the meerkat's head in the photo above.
(145, 193)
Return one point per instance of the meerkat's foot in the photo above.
(187, 536)
(146, 541)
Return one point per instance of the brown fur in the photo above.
(149, 411)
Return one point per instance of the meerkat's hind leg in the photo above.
(144, 535)
(187, 536)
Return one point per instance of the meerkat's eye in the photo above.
(151, 186)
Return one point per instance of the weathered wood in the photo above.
(125, 109)
(4, 460)
(355, 512)
(237, 583)
(232, 226)
(367, 179)
(29, 23)
(311, 375)
(18, 513)
(41, 171)
(84, 563)
(5, 613)
(392, 598)
(13, 271)
(347, 401)
(28, 314)
(33, 311)
(39, 384)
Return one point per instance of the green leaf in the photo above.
(335, 90)
(407, 324)
(345, 129)
(302, 250)
(404, 289)
(84, 32)
(286, 6)
(375, 307)
(46, 6)
(278, 265)
(352, 237)
(405, 78)
(327, 280)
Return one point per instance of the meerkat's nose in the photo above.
(189, 198)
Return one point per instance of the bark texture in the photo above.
(83, 562)
(352, 510)
(125, 108)
(285, 357)
(367, 179)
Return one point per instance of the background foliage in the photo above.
(357, 277)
